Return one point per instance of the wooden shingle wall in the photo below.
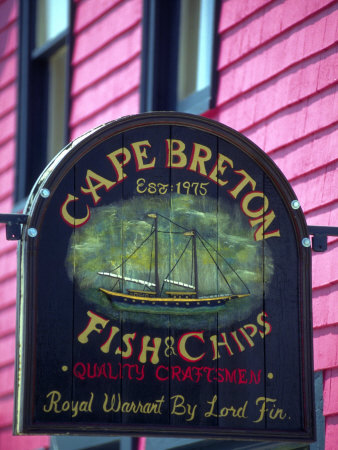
(9, 12)
(106, 62)
(278, 68)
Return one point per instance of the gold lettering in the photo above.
(72, 221)
(241, 185)
(117, 164)
(266, 222)
(105, 347)
(140, 152)
(129, 349)
(175, 153)
(222, 163)
(101, 182)
(154, 349)
(182, 346)
(200, 155)
(93, 324)
(247, 199)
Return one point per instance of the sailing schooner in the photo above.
(171, 295)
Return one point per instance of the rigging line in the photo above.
(234, 271)
(177, 260)
(170, 232)
(174, 223)
(192, 266)
(151, 254)
(218, 268)
(132, 254)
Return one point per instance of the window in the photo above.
(179, 48)
(43, 87)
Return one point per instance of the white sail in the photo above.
(179, 283)
(133, 280)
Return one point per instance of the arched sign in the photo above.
(164, 288)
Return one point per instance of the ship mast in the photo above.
(192, 233)
(157, 278)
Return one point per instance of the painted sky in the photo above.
(116, 236)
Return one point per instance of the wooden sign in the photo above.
(164, 288)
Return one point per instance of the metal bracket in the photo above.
(14, 221)
(320, 234)
(13, 225)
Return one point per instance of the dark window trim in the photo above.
(160, 54)
(32, 99)
(50, 47)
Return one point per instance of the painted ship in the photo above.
(182, 289)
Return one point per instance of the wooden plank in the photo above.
(269, 22)
(276, 57)
(296, 124)
(7, 321)
(284, 90)
(8, 13)
(6, 204)
(8, 264)
(324, 271)
(110, 26)
(9, 36)
(119, 84)
(7, 380)
(8, 68)
(8, 125)
(110, 58)
(7, 181)
(303, 157)
(144, 205)
(331, 429)
(89, 11)
(8, 98)
(243, 358)
(233, 12)
(8, 290)
(324, 340)
(6, 406)
(193, 205)
(330, 392)
(324, 180)
(7, 155)
(123, 107)
(10, 442)
(54, 299)
(324, 301)
(7, 350)
(7, 247)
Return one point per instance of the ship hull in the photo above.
(161, 305)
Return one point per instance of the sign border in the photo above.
(50, 179)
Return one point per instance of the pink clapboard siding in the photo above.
(277, 84)
(9, 10)
(106, 62)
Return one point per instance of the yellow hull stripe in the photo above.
(170, 299)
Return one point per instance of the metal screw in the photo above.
(306, 242)
(295, 204)
(32, 232)
(45, 193)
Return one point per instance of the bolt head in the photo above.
(45, 193)
(295, 204)
(32, 232)
(306, 242)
